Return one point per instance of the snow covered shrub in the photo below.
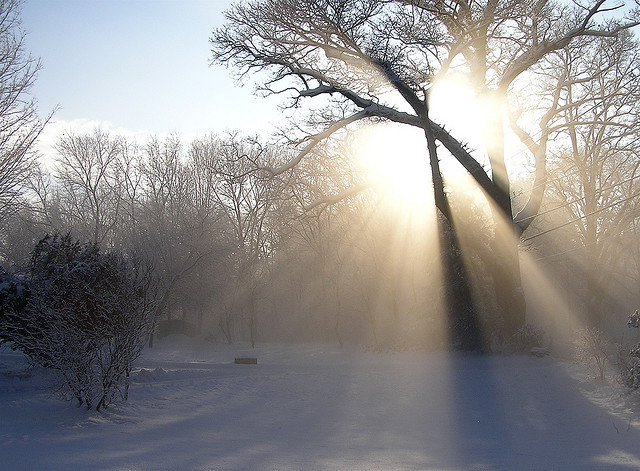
(14, 295)
(86, 317)
(592, 347)
(629, 363)
(629, 369)
(634, 321)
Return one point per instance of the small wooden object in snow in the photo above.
(246, 361)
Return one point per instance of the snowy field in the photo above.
(319, 407)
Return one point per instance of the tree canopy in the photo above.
(378, 60)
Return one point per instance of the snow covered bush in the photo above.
(14, 295)
(629, 362)
(592, 347)
(629, 369)
(85, 314)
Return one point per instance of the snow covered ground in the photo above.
(319, 407)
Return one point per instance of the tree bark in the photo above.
(465, 332)
(595, 292)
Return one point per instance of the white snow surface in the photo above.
(321, 407)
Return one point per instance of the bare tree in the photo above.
(367, 57)
(129, 173)
(179, 226)
(20, 125)
(167, 235)
(322, 231)
(596, 127)
(247, 200)
(88, 182)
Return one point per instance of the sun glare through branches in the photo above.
(395, 157)
(394, 160)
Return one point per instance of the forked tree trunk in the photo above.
(225, 326)
(200, 317)
(253, 327)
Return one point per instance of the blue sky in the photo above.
(140, 66)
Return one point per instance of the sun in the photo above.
(394, 160)
(470, 118)
(455, 105)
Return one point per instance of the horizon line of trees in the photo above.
(247, 256)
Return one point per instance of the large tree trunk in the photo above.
(465, 332)
(595, 292)
(505, 269)
(462, 318)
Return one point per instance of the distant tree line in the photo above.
(243, 255)
(237, 252)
